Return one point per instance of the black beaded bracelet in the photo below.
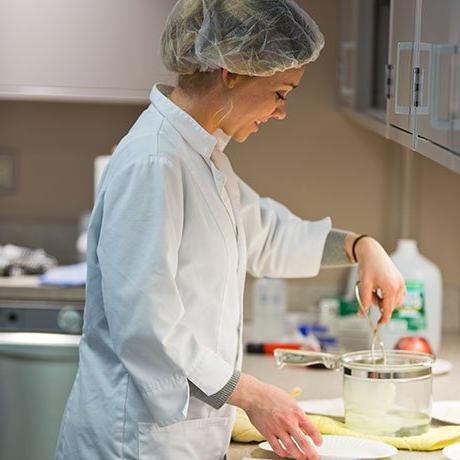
(353, 247)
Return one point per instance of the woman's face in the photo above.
(257, 100)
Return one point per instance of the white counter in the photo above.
(320, 383)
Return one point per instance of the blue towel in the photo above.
(65, 276)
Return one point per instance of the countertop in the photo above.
(320, 383)
(29, 288)
(315, 383)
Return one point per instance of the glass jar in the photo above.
(387, 397)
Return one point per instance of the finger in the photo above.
(388, 304)
(377, 300)
(401, 295)
(277, 446)
(305, 444)
(365, 294)
(377, 294)
(291, 448)
(310, 428)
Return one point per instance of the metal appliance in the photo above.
(37, 371)
(38, 362)
(54, 316)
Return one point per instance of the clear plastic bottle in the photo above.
(269, 302)
(421, 311)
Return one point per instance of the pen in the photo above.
(268, 347)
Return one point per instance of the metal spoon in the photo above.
(376, 340)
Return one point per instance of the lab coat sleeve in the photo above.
(138, 255)
(280, 244)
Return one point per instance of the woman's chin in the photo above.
(243, 134)
(240, 139)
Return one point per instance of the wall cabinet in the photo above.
(347, 68)
(419, 84)
(440, 61)
(105, 51)
(401, 59)
(363, 51)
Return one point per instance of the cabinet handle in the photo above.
(418, 79)
(420, 82)
(453, 122)
(346, 48)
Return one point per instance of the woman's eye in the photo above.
(279, 96)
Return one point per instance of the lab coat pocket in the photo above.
(199, 439)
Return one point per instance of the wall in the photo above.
(55, 145)
(317, 162)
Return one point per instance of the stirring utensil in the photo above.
(376, 340)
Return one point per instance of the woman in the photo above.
(174, 231)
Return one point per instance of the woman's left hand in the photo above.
(378, 273)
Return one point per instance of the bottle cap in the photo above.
(304, 329)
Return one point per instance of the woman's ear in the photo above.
(229, 79)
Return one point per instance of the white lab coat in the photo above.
(166, 271)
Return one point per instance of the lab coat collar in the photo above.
(200, 140)
(222, 139)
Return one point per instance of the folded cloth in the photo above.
(244, 430)
(434, 439)
(65, 276)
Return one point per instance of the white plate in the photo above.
(342, 447)
(452, 452)
(331, 407)
(446, 411)
(441, 366)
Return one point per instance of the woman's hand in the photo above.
(377, 273)
(278, 417)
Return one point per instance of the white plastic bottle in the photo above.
(268, 309)
(421, 310)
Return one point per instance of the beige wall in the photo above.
(316, 161)
(55, 144)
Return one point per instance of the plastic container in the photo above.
(352, 331)
(269, 309)
(421, 311)
(329, 344)
(307, 338)
(328, 309)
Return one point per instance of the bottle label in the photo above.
(412, 309)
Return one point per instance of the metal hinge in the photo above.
(417, 86)
(388, 80)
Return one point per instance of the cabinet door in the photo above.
(81, 49)
(454, 132)
(348, 52)
(440, 63)
(402, 38)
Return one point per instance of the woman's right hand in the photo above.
(278, 417)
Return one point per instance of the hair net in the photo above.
(248, 37)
